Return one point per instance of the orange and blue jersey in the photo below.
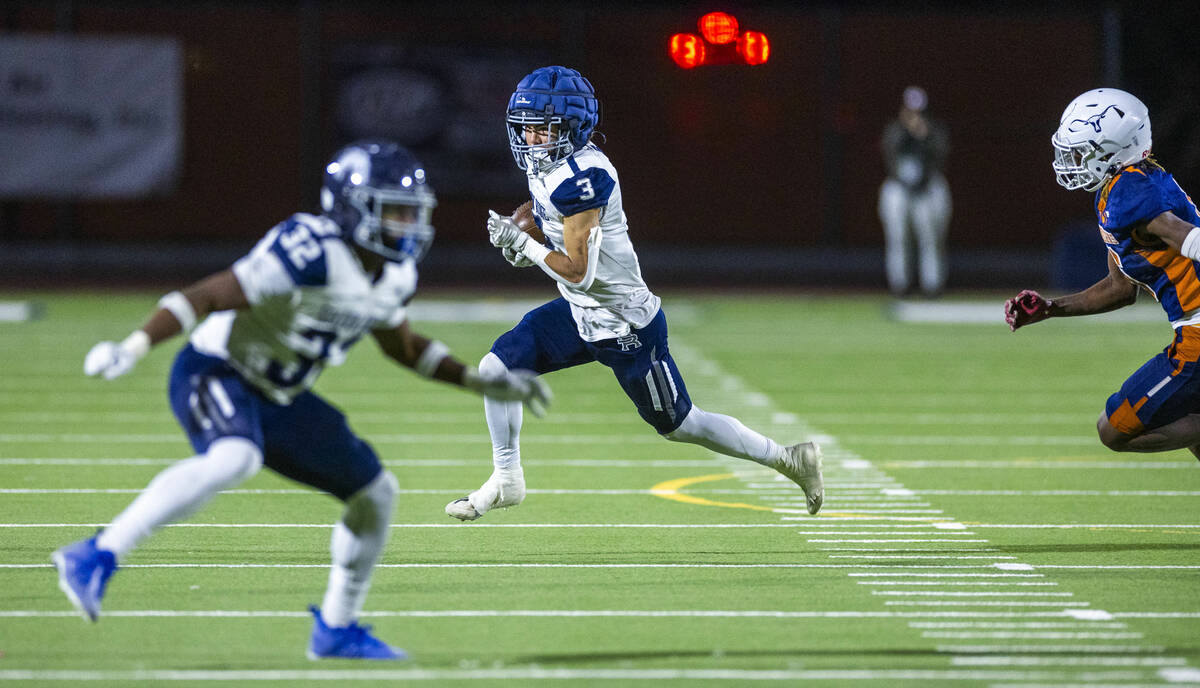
(1134, 197)
(1167, 387)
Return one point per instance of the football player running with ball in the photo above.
(1150, 228)
(605, 312)
(240, 388)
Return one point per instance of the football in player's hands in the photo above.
(523, 217)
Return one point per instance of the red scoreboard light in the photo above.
(687, 50)
(754, 47)
(719, 28)
(719, 42)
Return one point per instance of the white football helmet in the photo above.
(1099, 133)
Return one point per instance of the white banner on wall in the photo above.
(89, 116)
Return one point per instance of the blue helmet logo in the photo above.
(559, 100)
(1094, 120)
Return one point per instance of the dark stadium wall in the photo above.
(781, 155)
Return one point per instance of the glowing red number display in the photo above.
(687, 50)
(754, 47)
(719, 28)
(720, 42)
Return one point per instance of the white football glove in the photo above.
(513, 385)
(517, 260)
(112, 360)
(504, 233)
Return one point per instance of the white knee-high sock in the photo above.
(504, 421)
(726, 435)
(358, 540)
(179, 490)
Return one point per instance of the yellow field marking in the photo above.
(670, 489)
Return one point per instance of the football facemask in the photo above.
(395, 224)
(538, 157)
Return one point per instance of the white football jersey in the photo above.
(310, 301)
(618, 298)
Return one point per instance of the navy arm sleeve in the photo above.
(584, 190)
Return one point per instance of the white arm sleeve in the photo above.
(593, 256)
(1191, 244)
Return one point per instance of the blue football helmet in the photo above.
(559, 99)
(377, 193)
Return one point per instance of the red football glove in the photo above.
(1028, 307)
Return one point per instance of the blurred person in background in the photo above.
(914, 201)
(605, 311)
(1152, 232)
(240, 388)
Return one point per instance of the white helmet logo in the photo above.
(522, 100)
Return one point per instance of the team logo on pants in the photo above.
(629, 341)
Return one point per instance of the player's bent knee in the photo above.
(380, 494)
(1111, 437)
(234, 459)
(389, 487)
(371, 507)
(491, 364)
(688, 427)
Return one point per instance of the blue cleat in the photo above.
(83, 572)
(351, 642)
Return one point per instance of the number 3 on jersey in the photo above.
(587, 192)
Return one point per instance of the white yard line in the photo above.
(981, 603)
(947, 593)
(471, 565)
(316, 493)
(446, 676)
(1139, 526)
(376, 438)
(953, 575)
(569, 613)
(908, 549)
(1013, 660)
(1156, 615)
(993, 557)
(1059, 493)
(889, 540)
(856, 532)
(398, 463)
(1015, 464)
(1031, 635)
(506, 565)
(1044, 649)
(1027, 584)
(940, 625)
(465, 527)
(826, 523)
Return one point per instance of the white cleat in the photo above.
(503, 489)
(801, 463)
